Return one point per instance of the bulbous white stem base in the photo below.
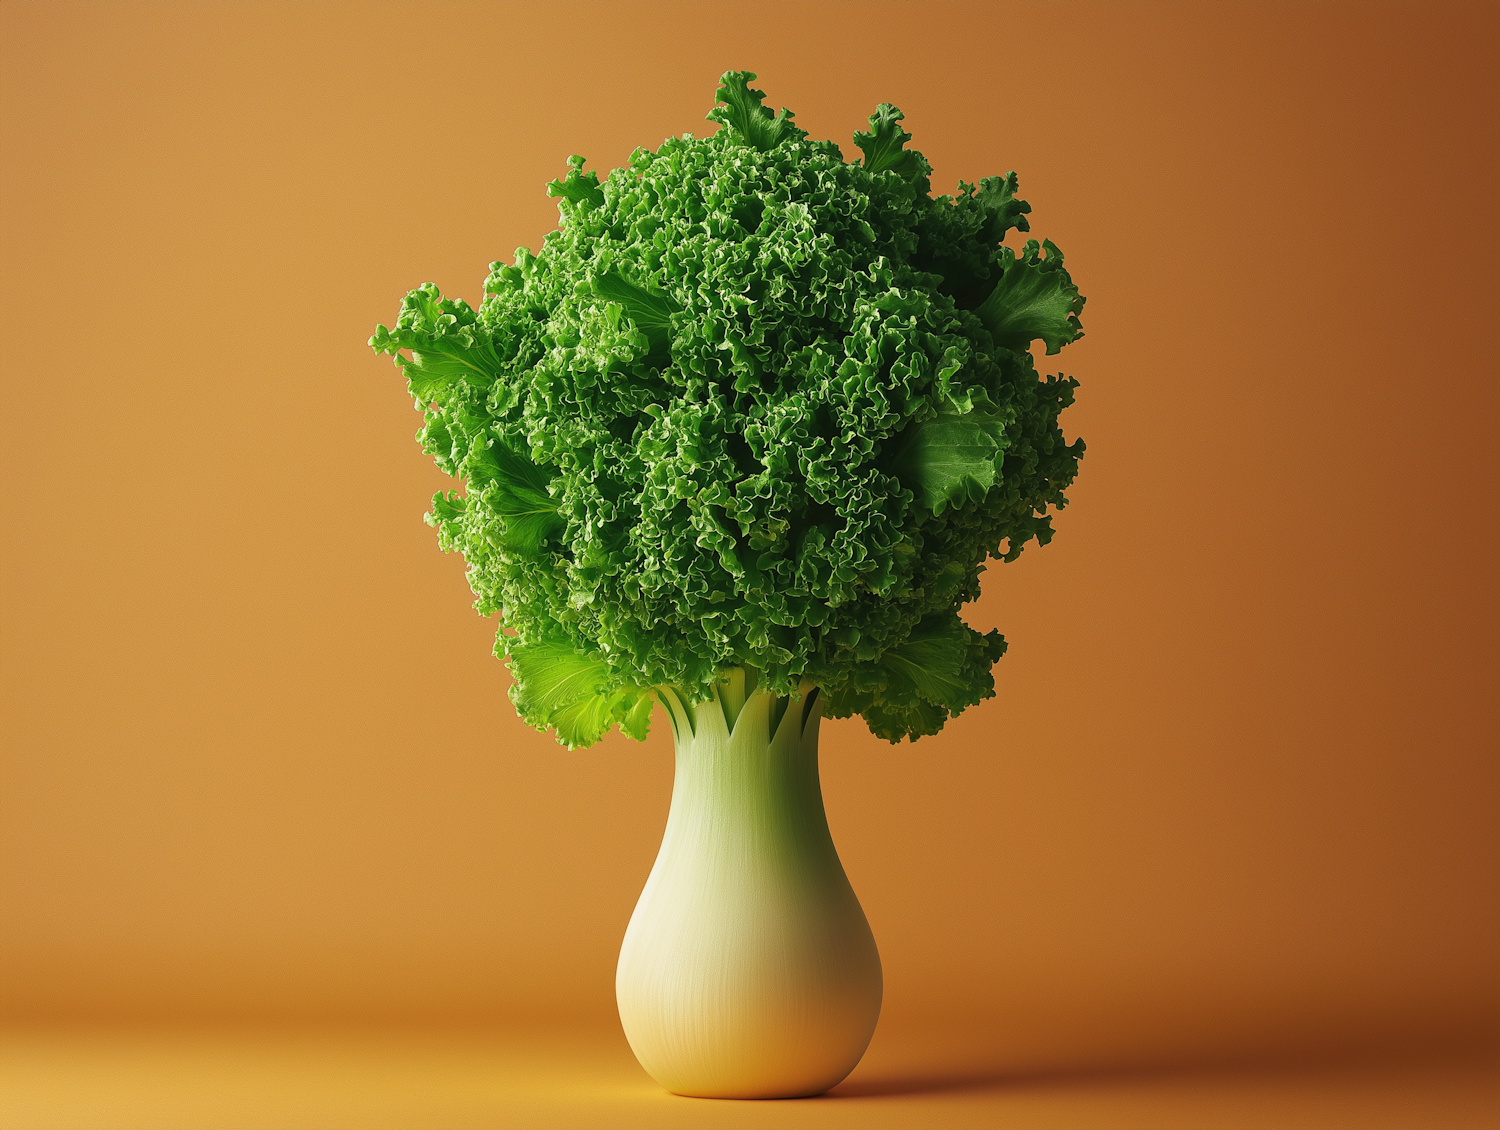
(748, 969)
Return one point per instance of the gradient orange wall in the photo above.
(1240, 781)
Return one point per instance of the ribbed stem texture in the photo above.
(748, 969)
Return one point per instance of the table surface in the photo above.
(404, 1080)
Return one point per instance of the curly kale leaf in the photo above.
(939, 669)
(743, 113)
(445, 341)
(561, 688)
(882, 145)
(951, 459)
(1035, 298)
(750, 406)
(996, 200)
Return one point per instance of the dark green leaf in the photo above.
(997, 196)
(1035, 298)
(930, 662)
(950, 459)
(883, 145)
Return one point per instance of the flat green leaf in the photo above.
(446, 342)
(1035, 298)
(448, 507)
(940, 669)
(637, 720)
(648, 310)
(433, 368)
(561, 688)
(584, 722)
(515, 491)
(551, 676)
(931, 660)
(950, 459)
(527, 525)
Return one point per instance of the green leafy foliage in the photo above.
(882, 145)
(649, 313)
(577, 187)
(514, 490)
(750, 406)
(950, 459)
(1035, 298)
(940, 668)
(574, 693)
(747, 119)
(446, 342)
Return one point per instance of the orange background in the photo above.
(1239, 787)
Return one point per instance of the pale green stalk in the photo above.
(748, 968)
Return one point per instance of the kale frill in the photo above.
(751, 406)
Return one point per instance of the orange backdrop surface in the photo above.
(1239, 782)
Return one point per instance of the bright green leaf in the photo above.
(751, 405)
(637, 720)
(649, 311)
(515, 491)
(742, 112)
(577, 187)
